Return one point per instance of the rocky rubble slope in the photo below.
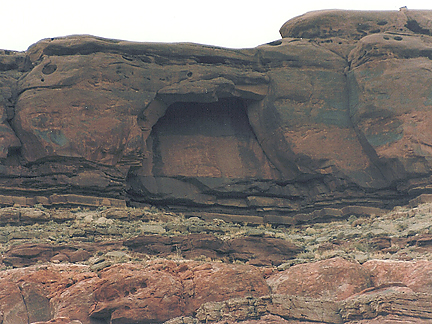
(144, 265)
(333, 115)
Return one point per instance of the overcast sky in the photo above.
(227, 23)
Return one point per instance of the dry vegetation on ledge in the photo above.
(402, 234)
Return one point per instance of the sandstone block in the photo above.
(333, 279)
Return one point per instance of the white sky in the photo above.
(227, 23)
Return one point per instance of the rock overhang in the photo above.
(321, 131)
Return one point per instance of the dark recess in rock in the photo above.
(414, 26)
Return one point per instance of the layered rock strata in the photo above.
(142, 265)
(195, 292)
(335, 114)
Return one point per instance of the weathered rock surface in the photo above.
(251, 249)
(133, 265)
(332, 121)
(414, 275)
(329, 279)
(24, 255)
(334, 114)
(255, 250)
(123, 293)
(387, 306)
(387, 303)
(208, 292)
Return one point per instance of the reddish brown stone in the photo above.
(13, 309)
(128, 293)
(380, 243)
(27, 254)
(334, 279)
(78, 255)
(59, 257)
(236, 132)
(161, 290)
(399, 304)
(265, 251)
(392, 319)
(216, 282)
(319, 125)
(33, 294)
(414, 274)
(123, 293)
(267, 319)
(166, 289)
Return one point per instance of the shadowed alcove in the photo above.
(194, 142)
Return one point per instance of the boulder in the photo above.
(40, 294)
(123, 293)
(412, 274)
(333, 279)
(165, 289)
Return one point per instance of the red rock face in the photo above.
(334, 114)
(208, 140)
(162, 290)
(166, 290)
(334, 279)
(38, 294)
(128, 294)
(123, 293)
(330, 121)
(414, 275)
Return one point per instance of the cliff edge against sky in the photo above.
(335, 114)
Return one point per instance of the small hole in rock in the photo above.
(49, 68)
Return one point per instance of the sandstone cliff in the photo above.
(331, 123)
(143, 265)
(334, 114)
